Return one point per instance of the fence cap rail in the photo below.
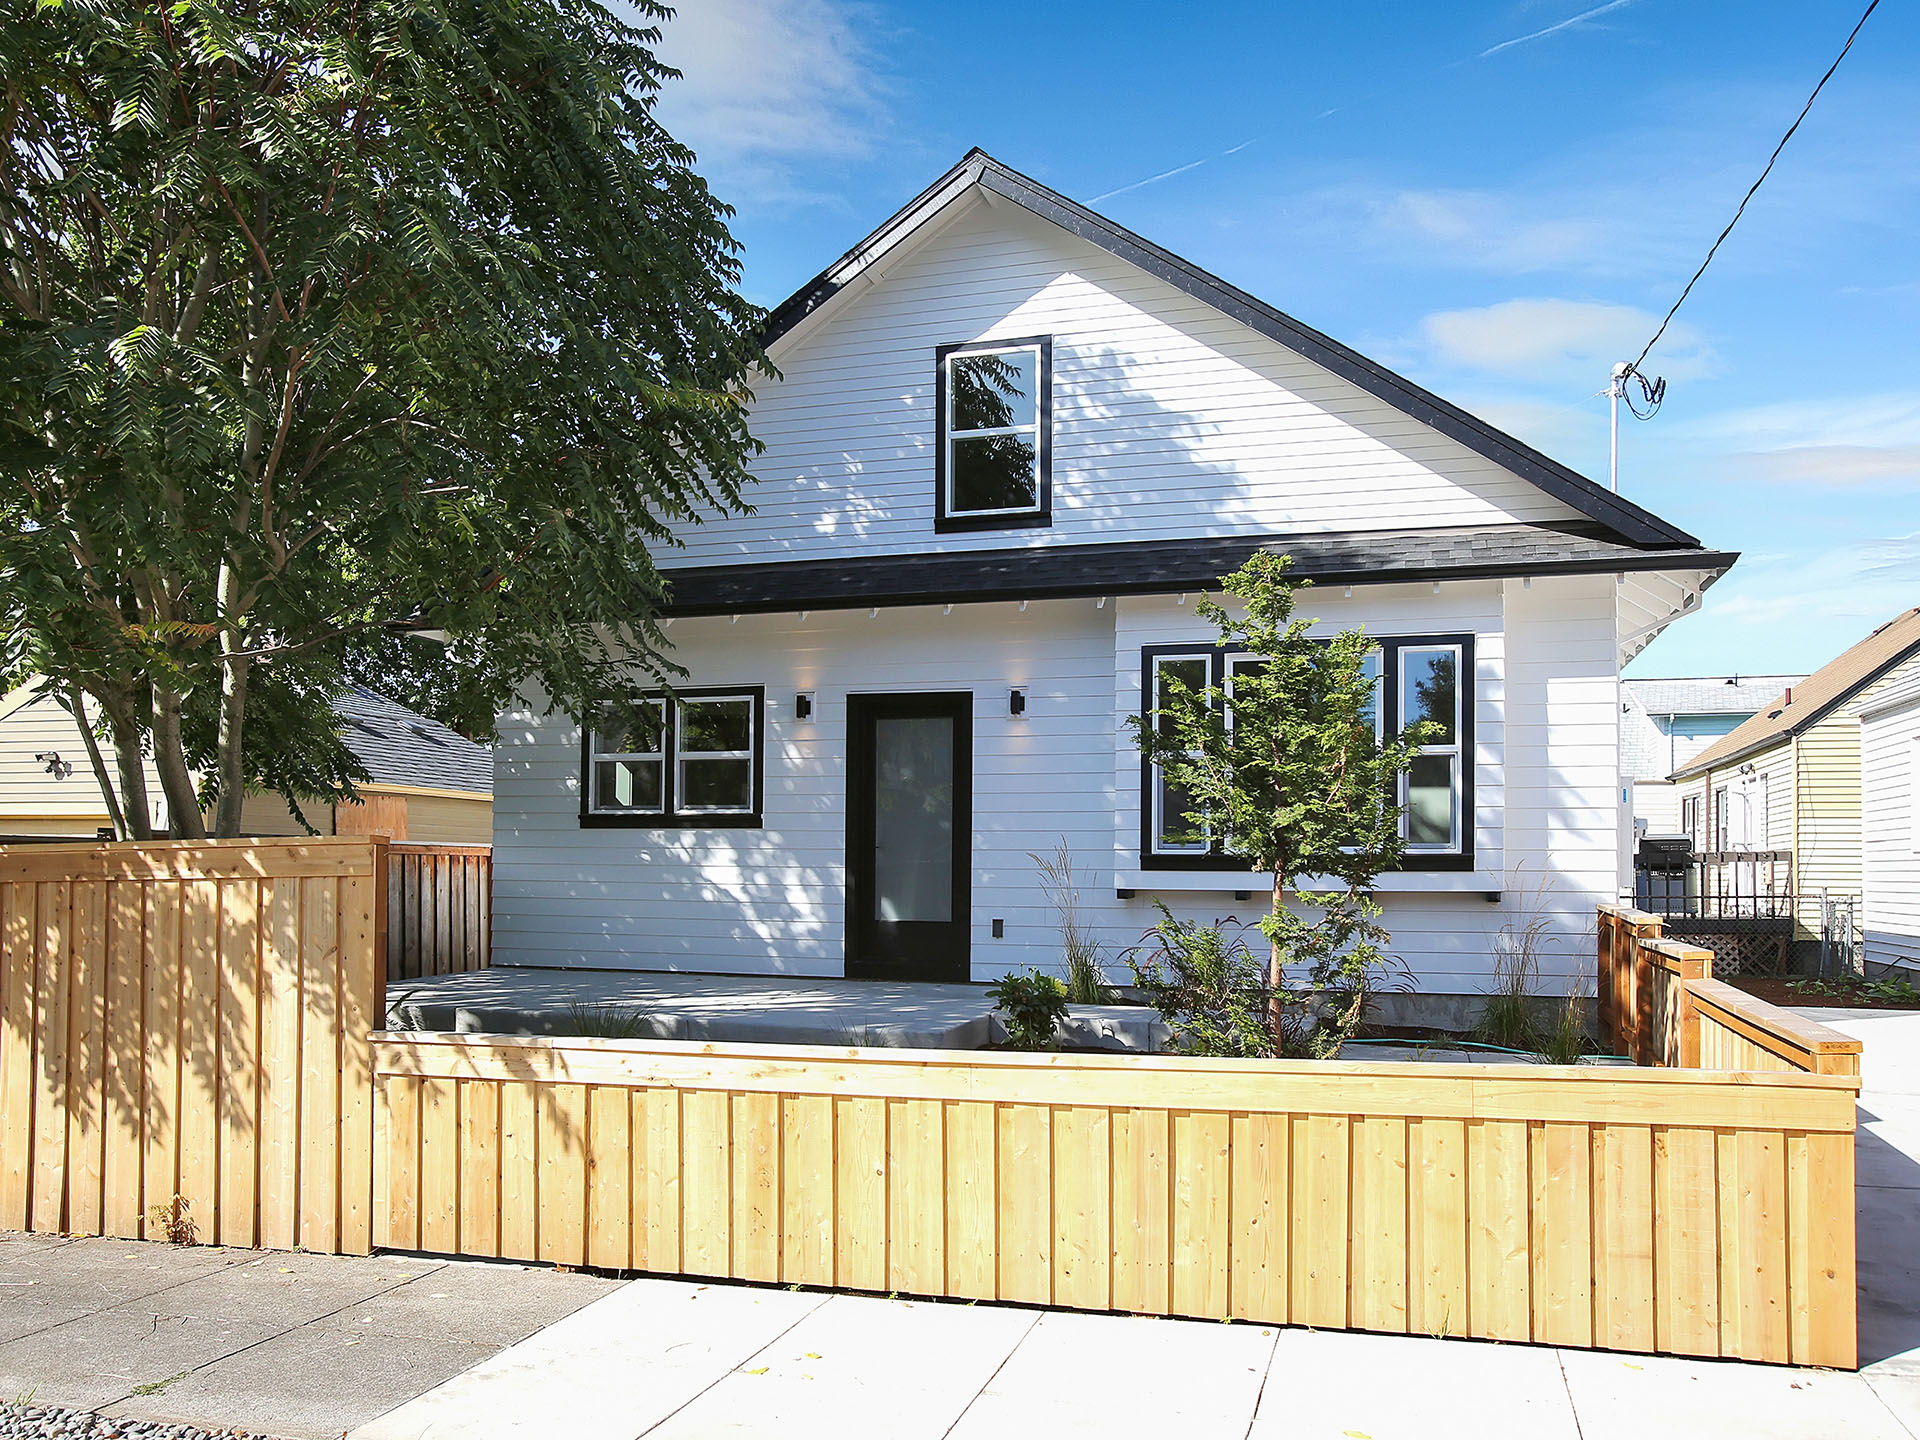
(426, 847)
(1674, 955)
(1626, 914)
(266, 859)
(1810, 1035)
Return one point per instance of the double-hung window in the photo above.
(687, 760)
(1435, 789)
(1169, 830)
(995, 443)
(1412, 679)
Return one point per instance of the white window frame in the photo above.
(671, 813)
(1455, 748)
(596, 757)
(1040, 510)
(681, 756)
(1158, 820)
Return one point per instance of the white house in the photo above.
(1890, 820)
(1666, 722)
(1011, 446)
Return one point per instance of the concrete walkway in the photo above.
(307, 1346)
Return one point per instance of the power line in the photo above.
(1874, 5)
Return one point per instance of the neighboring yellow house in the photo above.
(429, 783)
(1789, 779)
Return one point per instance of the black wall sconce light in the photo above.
(1016, 702)
(803, 705)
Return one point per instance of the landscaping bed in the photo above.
(1847, 993)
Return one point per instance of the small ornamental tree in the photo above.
(1289, 773)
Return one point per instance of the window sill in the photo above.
(670, 822)
(1024, 520)
(1228, 882)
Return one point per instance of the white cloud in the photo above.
(1581, 19)
(1491, 230)
(1559, 342)
(1850, 441)
(768, 87)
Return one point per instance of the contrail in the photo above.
(1177, 170)
(1551, 29)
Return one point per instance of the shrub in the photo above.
(1034, 1005)
(1208, 986)
(174, 1222)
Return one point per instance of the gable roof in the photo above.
(400, 747)
(1630, 522)
(1823, 692)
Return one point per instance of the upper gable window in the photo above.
(995, 452)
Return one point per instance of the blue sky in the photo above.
(1499, 200)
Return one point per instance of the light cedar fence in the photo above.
(440, 909)
(1672, 1210)
(1680, 1015)
(190, 1020)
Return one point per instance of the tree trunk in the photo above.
(1277, 975)
(77, 704)
(170, 760)
(127, 759)
(232, 769)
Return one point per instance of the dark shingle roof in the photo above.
(1041, 572)
(399, 747)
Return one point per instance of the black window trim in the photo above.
(1041, 516)
(1219, 862)
(667, 817)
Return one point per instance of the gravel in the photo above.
(18, 1421)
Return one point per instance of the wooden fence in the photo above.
(190, 1020)
(1673, 1210)
(440, 909)
(1662, 1006)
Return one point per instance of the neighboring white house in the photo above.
(1011, 446)
(1890, 821)
(1664, 723)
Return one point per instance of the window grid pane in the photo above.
(993, 431)
(1432, 792)
(714, 756)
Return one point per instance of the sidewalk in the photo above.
(305, 1346)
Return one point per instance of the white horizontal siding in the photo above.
(1170, 420)
(34, 802)
(1889, 751)
(771, 900)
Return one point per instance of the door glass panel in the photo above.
(913, 818)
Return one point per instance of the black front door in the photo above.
(909, 836)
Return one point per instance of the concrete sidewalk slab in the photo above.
(495, 1304)
(607, 1372)
(103, 1357)
(280, 1291)
(1120, 1376)
(1328, 1384)
(1657, 1397)
(858, 1362)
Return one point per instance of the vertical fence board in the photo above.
(440, 1166)
(480, 1166)
(519, 1173)
(706, 1183)
(754, 1226)
(916, 1190)
(320, 1061)
(806, 1171)
(86, 1073)
(971, 1240)
(560, 1118)
(1142, 1205)
(53, 911)
(1082, 1207)
(1024, 1164)
(160, 1169)
(1561, 1170)
(279, 1062)
(199, 1136)
(610, 1179)
(1437, 1250)
(125, 1033)
(1202, 1181)
(1257, 1285)
(19, 979)
(1378, 1266)
(860, 1193)
(238, 1085)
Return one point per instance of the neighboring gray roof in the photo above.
(1643, 748)
(1708, 694)
(399, 747)
(1134, 567)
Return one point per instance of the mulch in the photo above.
(1781, 992)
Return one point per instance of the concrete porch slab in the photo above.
(754, 1010)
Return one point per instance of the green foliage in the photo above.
(1859, 987)
(323, 323)
(1299, 785)
(1209, 988)
(1565, 1042)
(1086, 982)
(1034, 1005)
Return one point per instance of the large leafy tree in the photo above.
(326, 322)
(1289, 771)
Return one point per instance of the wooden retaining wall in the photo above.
(1672, 1210)
(439, 908)
(1738, 1032)
(190, 1020)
